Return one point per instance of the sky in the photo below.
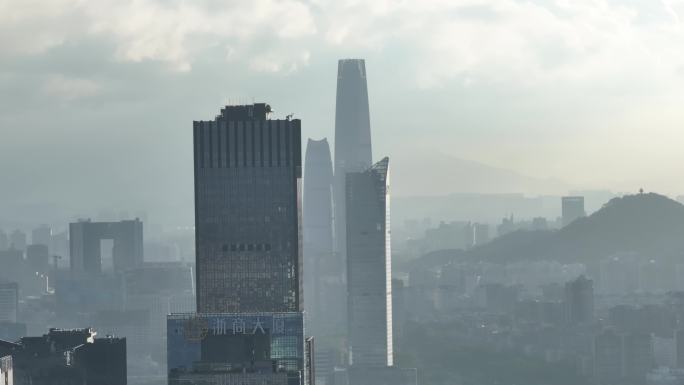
(97, 97)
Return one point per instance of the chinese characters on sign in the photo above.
(199, 327)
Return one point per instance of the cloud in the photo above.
(171, 32)
(441, 40)
(68, 89)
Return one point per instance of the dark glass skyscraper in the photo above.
(352, 136)
(247, 212)
(369, 266)
(249, 325)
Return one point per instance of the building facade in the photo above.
(247, 212)
(572, 208)
(369, 266)
(236, 348)
(85, 245)
(6, 371)
(9, 301)
(249, 325)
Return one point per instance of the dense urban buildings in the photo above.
(85, 239)
(249, 325)
(572, 208)
(353, 152)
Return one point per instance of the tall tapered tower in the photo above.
(352, 137)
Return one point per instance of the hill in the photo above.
(650, 225)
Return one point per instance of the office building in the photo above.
(18, 240)
(237, 348)
(38, 258)
(637, 356)
(579, 301)
(42, 236)
(247, 209)
(323, 280)
(9, 301)
(102, 362)
(68, 357)
(6, 372)
(86, 245)
(607, 354)
(572, 209)
(249, 325)
(4, 241)
(352, 137)
(369, 266)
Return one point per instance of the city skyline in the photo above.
(199, 192)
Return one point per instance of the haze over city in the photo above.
(583, 93)
(319, 192)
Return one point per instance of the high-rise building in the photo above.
(352, 137)
(18, 240)
(249, 326)
(572, 208)
(4, 241)
(6, 372)
(607, 355)
(86, 246)
(369, 266)
(579, 301)
(323, 281)
(247, 211)
(38, 258)
(41, 235)
(9, 301)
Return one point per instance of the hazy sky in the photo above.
(97, 97)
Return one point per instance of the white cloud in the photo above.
(441, 40)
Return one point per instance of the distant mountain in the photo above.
(421, 173)
(650, 225)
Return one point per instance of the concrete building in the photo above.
(38, 258)
(42, 235)
(6, 371)
(4, 241)
(9, 301)
(572, 208)
(579, 301)
(17, 240)
(68, 357)
(369, 266)
(86, 245)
